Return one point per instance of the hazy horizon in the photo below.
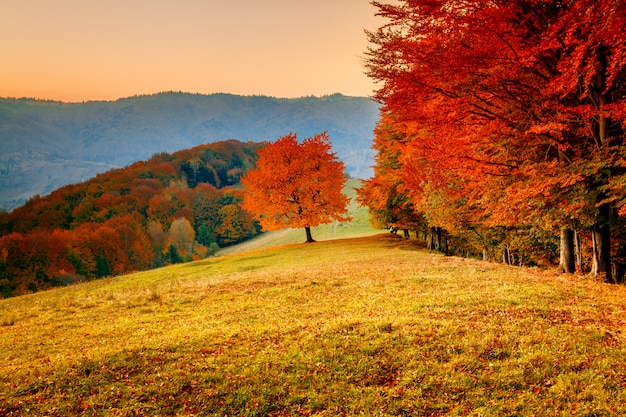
(76, 50)
(180, 92)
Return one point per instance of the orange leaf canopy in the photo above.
(296, 184)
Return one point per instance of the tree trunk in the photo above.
(567, 262)
(506, 258)
(601, 232)
(445, 249)
(438, 241)
(601, 253)
(309, 237)
(618, 270)
(579, 252)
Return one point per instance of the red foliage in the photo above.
(512, 111)
(296, 185)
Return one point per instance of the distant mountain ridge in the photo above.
(45, 145)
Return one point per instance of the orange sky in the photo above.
(78, 50)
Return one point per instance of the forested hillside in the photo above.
(168, 209)
(45, 145)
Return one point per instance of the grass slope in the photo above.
(359, 226)
(371, 326)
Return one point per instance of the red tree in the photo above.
(296, 185)
(513, 109)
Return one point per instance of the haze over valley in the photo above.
(45, 145)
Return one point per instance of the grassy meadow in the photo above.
(358, 226)
(365, 326)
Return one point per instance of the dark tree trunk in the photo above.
(309, 237)
(601, 232)
(601, 245)
(618, 269)
(437, 240)
(441, 241)
(430, 237)
(506, 255)
(579, 252)
(567, 262)
(443, 246)
(601, 254)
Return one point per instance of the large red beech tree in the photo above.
(513, 111)
(296, 185)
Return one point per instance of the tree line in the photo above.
(502, 129)
(168, 209)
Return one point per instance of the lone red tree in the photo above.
(296, 185)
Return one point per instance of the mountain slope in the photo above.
(47, 144)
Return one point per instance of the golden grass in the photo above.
(371, 326)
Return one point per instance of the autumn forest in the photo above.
(168, 209)
(502, 129)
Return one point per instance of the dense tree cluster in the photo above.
(502, 129)
(171, 208)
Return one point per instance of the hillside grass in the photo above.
(368, 326)
(358, 226)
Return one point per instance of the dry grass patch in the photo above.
(369, 326)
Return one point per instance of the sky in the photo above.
(81, 50)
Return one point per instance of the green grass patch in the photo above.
(359, 226)
(366, 326)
